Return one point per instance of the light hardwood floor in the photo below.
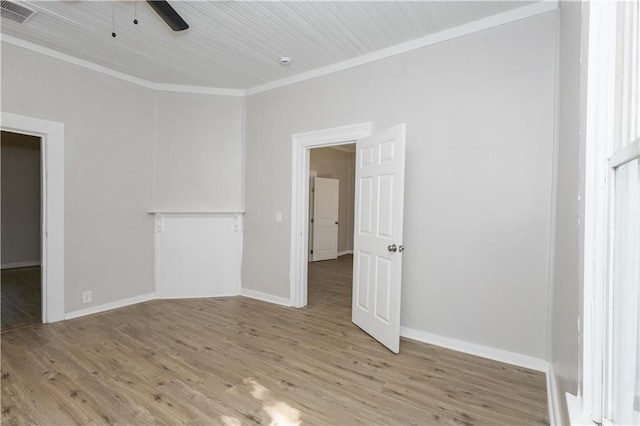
(238, 361)
(21, 297)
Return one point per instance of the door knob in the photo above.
(392, 248)
(401, 248)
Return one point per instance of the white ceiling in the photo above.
(237, 44)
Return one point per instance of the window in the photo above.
(623, 402)
(611, 341)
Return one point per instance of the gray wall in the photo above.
(198, 152)
(567, 289)
(480, 114)
(123, 144)
(341, 165)
(20, 199)
(108, 170)
(480, 117)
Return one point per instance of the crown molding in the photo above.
(161, 87)
(431, 39)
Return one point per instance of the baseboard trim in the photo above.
(258, 295)
(212, 296)
(553, 402)
(152, 296)
(109, 306)
(25, 264)
(475, 349)
(343, 252)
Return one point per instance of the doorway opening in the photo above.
(51, 136)
(331, 218)
(303, 143)
(378, 224)
(21, 206)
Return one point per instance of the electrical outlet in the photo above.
(86, 296)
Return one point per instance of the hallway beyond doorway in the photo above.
(330, 286)
(21, 297)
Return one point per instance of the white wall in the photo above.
(108, 175)
(198, 255)
(198, 152)
(336, 164)
(480, 114)
(21, 198)
(567, 297)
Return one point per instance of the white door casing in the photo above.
(52, 136)
(302, 143)
(377, 261)
(325, 218)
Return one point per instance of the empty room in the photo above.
(320, 212)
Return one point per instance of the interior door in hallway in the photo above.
(378, 242)
(325, 218)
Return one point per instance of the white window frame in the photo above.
(601, 162)
(622, 156)
(599, 135)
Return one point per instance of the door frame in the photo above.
(302, 143)
(51, 134)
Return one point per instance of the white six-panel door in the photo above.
(325, 218)
(378, 243)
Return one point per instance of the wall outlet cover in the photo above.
(86, 296)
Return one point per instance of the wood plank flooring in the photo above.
(237, 361)
(21, 297)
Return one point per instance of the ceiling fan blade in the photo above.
(168, 14)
